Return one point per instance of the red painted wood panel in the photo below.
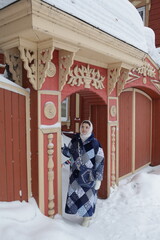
(33, 134)
(13, 158)
(125, 133)
(16, 140)
(143, 131)
(156, 132)
(99, 120)
(22, 146)
(9, 145)
(154, 20)
(3, 183)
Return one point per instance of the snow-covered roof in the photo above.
(5, 3)
(117, 18)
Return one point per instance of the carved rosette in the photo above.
(113, 75)
(51, 70)
(113, 156)
(49, 110)
(113, 111)
(15, 64)
(87, 76)
(51, 204)
(65, 62)
(122, 80)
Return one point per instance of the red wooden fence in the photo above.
(13, 153)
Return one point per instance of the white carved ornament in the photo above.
(113, 74)
(65, 62)
(146, 70)
(122, 80)
(15, 64)
(29, 57)
(51, 70)
(49, 110)
(87, 76)
(36, 62)
(51, 204)
(44, 57)
(113, 155)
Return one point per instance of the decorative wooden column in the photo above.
(50, 176)
(117, 77)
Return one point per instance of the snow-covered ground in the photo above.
(130, 213)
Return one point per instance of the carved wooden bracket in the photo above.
(29, 57)
(66, 59)
(36, 60)
(113, 75)
(44, 57)
(117, 74)
(15, 64)
(124, 73)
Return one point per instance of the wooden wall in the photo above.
(154, 20)
(13, 156)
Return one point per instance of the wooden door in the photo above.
(135, 125)
(14, 152)
(125, 133)
(143, 108)
(99, 120)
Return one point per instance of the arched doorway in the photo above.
(135, 131)
(83, 105)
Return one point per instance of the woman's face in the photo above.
(85, 128)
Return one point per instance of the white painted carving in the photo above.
(49, 110)
(51, 70)
(113, 75)
(87, 76)
(15, 64)
(65, 62)
(113, 156)
(146, 70)
(51, 204)
(113, 111)
(122, 80)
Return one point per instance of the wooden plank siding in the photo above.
(125, 133)
(156, 132)
(142, 130)
(135, 134)
(3, 172)
(99, 120)
(154, 20)
(13, 157)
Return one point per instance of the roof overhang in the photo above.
(37, 21)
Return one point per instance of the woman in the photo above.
(86, 172)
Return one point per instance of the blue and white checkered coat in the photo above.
(86, 166)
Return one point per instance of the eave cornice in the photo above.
(37, 21)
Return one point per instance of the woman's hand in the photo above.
(97, 184)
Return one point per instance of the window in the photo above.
(64, 110)
(142, 12)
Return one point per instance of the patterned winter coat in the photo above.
(86, 166)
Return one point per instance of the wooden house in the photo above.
(63, 70)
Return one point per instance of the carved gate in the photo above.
(135, 134)
(14, 142)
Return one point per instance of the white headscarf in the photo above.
(86, 136)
